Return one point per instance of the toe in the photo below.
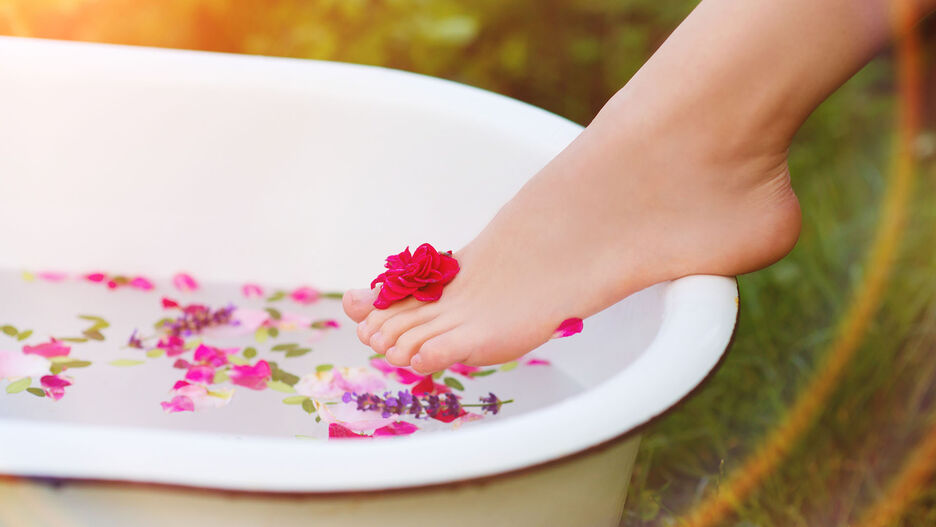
(443, 350)
(409, 342)
(358, 303)
(376, 318)
(400, 323)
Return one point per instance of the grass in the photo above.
(788, 316)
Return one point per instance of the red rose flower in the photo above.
(422, 274)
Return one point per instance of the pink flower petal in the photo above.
(305, 295)
(461, 369)
(95, 277)
(54, 386)
(569, 327)
(254, 377)
(401, 375)
(252, 290)
(348, 416)
(184, 282)
(141, 283)
(52, 276)
(179, 403)
(211, 356)
(179, 384)
(337, 431)
(169, 303)
(202, 374)
(538, 362)
(53, 348)
(398, 428)
(428, 386)
(14, 365)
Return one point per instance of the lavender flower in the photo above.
(424, 405)
(195, 318)
(135, 341)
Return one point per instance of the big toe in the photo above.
(358, 303)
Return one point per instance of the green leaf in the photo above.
(56, 369)
(452, 382)
(125, 362)
(192, 344)
(19, 385)
(24, 335)
(162, 323)
(289, 378)
(9, 330)
(375, 356)
(60, 358)
(482, 373)
(237, 360)
(274, 332)
(220, 376)
(509, 366)
(277, 296)
(250, 353)
(261, 335)
(93, 318)
(77, 340)
(285, 346)
(318, 419)
(298, 352)
(324, 367)
(74, 363)
(155, 352)
(274, 313)
(295, 399)
(308, 406)
(93, 334)
(36, 391)
(280, 386)
(334, 295)
(437, 375)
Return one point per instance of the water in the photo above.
(125, 386)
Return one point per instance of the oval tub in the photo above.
(280, 171)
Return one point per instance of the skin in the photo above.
(684, 171)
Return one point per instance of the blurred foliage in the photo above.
(569, 56)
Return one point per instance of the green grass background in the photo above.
(569, 57)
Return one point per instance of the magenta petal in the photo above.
(250, 290)
(429, 293)
(53, 348)
(338, 431)
(463, 370)
(399, 428)
(202, 374)
(141, 283)
(569, 327)
(52, 276)
(184, 282)
(538, 362)
(179, 403)
(254, 377)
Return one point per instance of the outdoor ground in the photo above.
(569, 56)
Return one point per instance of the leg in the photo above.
(683, 172)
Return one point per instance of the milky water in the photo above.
(124, 386)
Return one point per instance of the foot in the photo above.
(623, 207)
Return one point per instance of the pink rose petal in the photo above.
(463, 370)
(14, 365)
(54, 386)
(337, 431)
(398, 428)
(52, 276)
(179, 403)
(305, 295)
(538, 362)
(254, 377)
(569, 327)
(202, 374)
(53, 348)
(184, 282)
(95, 277)
(401, 375)
(141, 283)
(252, 290)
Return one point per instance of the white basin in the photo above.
(247, 169)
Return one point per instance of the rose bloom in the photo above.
(421, 274)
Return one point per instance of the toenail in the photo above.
(416, 361)
(363, 325)
(375, 338)
(390, 352)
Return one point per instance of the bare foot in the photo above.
(622, 208)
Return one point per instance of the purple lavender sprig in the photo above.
(405, 403)
(195, 318)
